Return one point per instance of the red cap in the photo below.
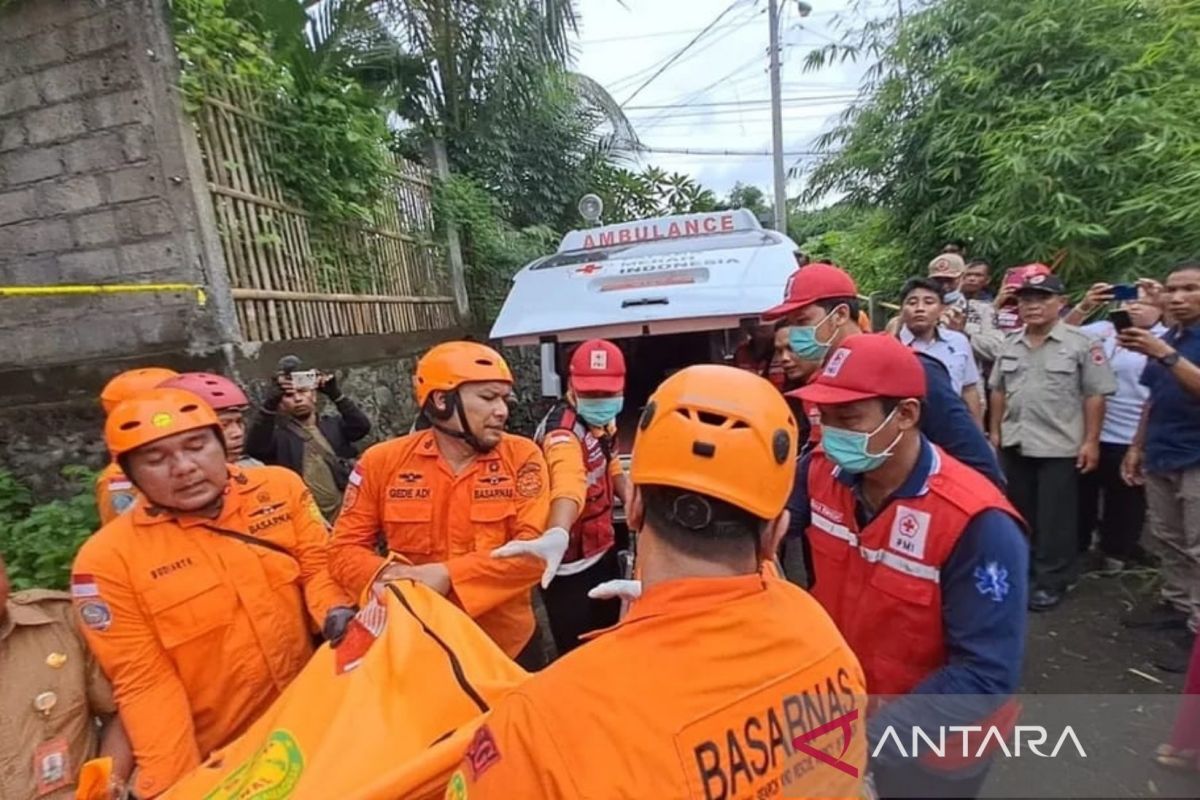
(865, 366)
(1018, 275)
(808, 285)
(598, 366)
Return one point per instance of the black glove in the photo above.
(336, 621)
(329, 388)
(274, 395)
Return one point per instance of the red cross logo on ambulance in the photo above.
(910, 529)
(588, 269)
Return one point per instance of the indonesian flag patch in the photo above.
(84, 586)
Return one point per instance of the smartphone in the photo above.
(1123, 292)
(305, 380)
(1120, 320)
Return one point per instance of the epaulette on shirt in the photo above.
(30, 597)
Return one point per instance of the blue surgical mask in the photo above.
(849, 449)
(599, 411)
(803, 340)
(953, 297)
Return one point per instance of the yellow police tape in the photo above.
(116, 288)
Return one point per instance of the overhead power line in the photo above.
(754, 60)
(739, 103)
(661, 34)
(728, 28)
(684, 49)
(690, 151)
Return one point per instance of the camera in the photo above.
(307, 379)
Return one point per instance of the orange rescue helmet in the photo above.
(153, 415)
(216, 390)
(721, 432)
(451, 364)
(132, 382)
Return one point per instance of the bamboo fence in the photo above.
(385, 277)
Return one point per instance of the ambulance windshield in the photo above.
(658, 247)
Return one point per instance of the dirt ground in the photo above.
(1124, 705)
(1081, 648)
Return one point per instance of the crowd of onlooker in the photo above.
(1094, 410)
(1091, 408)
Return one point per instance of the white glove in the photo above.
(624, 589)
(550, 547)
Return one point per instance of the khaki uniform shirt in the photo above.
(1045, 387)
(981, 329)
(318, 475)
(45, 665)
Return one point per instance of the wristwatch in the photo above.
(1170, 359)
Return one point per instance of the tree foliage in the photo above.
(860, 239)
(526, 137)
(1041, 129)
(494, 249)
(748, 196)
(39, 540)
(332, 150)
(496, 86)
(652, 192)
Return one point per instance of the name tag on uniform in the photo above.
(51, 767)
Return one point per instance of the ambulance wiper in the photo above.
(580, 257)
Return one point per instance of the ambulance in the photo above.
(670, 292)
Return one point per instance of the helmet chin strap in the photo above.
(465, 434)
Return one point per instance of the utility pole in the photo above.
(777, 121)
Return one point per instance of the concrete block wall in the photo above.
(101, 183)
(97, 187)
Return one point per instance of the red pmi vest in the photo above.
(813, 412)
(592, 532)
(881, 584)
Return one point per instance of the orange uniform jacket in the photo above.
(199, 631)
(114, 493)
(707, 682)
(427, 514)
(568, 474)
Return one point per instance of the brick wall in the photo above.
(95, 187)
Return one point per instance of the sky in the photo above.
(623, 42)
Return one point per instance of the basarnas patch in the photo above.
(96, 615)
(529, 480)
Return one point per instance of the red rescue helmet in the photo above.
(216, 390)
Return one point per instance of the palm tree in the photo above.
(443, 65)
